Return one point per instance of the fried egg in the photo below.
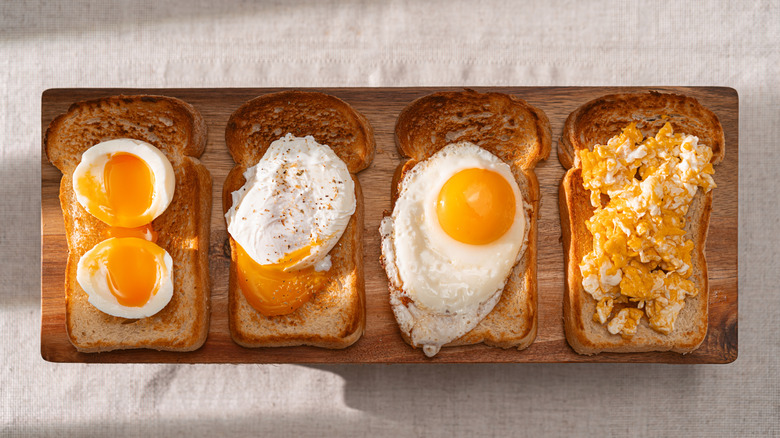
(126, 184)
(457, 229)
(292, 210)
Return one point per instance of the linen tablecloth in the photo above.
(389, 43)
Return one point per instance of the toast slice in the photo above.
(179, 131)
(519, 135)
(335, 317)
(595, 123)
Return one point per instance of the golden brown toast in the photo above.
(595, 123)
(335, 317)
(519, 135)
(179, 131)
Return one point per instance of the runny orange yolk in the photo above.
(476, 206)
(129, 185)
(273, 291)
(145, 232)
(132, 270)
(121, 201)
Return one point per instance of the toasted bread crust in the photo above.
(265, 119)
(144, 117)
(518, 134)
(335, 317)
(507, 126)
(595, 123)
(178, 130)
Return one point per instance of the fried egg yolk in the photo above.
(276, 289)
(476, 206)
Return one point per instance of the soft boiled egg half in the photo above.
(457, 229)
(126, 184)
(292, 210)
(127, 277)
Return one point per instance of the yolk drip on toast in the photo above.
(274, 289)
(145, 232)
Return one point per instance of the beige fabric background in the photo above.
(389, 43)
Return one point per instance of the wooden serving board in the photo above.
(382, 342)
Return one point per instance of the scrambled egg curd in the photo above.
(641, 261)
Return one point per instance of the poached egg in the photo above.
(292, 210)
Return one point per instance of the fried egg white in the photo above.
(457, 229)
(292, 210)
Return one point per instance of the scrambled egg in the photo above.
(641, 261)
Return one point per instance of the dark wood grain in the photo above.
(381, 341)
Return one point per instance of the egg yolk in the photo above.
(272, 290)
(145, 232)
(132, 271)
(476, 206)
(129, 185)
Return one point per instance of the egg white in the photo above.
(92, 276)
(452, 285)
(92, 166)
(441, 273)
(300, 194)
